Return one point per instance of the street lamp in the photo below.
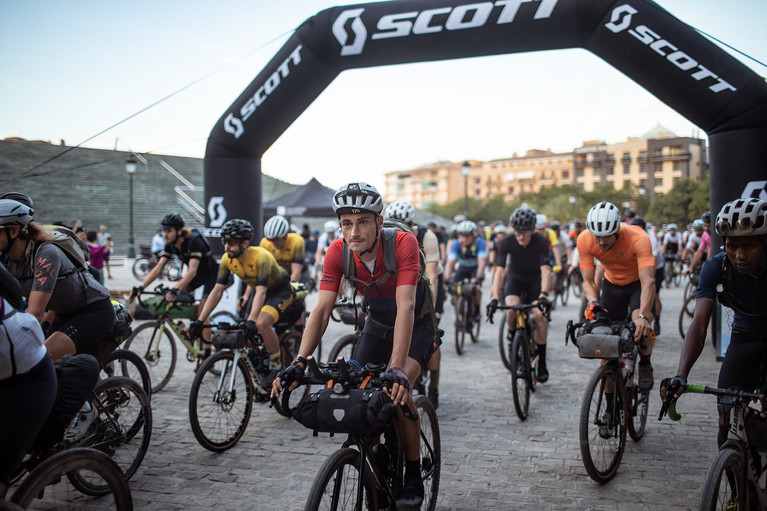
(465, 168)
(572, 199)
(641, 191)
(130, 168)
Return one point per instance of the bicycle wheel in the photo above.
(677, 276)
(344, 347)
(47, 479)
(141, 268)
(475, 323)
(685, 317)
(431, 459)
(638, 405)
(336, 485)
(223, 317)
(519, 359)
(574, 282)
(155, 343)
(504, 342)
(565, 295)
(218, 414)
(690, 289)
(122, 429)
(127, 363)
(668, 274)
(602, 431)
(174, 269)
(724, 488)
(460, 324)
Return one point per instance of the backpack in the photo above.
(73, 247)
(195, 233)
(388, 239)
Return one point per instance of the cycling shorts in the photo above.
(464, 273)
(279, 299)
(376, 343)
(619, 300)
(207, 281)
(744, 363)
(88, 328)
(525, 287)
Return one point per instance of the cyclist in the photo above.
(672, 240)
(394, 330)
(194, 252)
(552, 237)
(427, 240)
(75, 311)
(287, 247)
(258, 268)
(469, 253)
(328, 236)
(525, 257)
(625, 252)
(736, 277)
(704, 249)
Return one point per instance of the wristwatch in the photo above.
(300, 360)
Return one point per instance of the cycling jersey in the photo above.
(693, 242)
(524, 261)
(631, 251)
(258, 268)
(381, 297)
(705, 242)
(672, 242)
(194, 248)
(294, 251)
(468, 257)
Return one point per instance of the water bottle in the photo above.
(183, 329)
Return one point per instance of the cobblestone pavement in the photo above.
(490, 459)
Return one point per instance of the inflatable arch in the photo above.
(659, 52)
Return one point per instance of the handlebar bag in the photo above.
(229, 339)
(180, 309)
(355, 411)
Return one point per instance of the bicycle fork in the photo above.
(225, 390)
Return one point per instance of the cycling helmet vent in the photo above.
(523, 219)
(467, 227)
(276, 227)
(13, 212)
(400, 210)
(742, 217)
(603, 219)
(330, 226)
(357, 198)
(238, 229)
(172, 220)
(540, 221)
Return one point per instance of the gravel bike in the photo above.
(519, 351)
(612, 403)
(736, 477)
(227, 383)
(129, 364)
(147, 260)
(467, 321)
(155, 340)
(368, 471)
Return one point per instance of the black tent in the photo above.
(312, 199)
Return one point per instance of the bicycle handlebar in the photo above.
(545, 307)
(572, 327)
(669, 406)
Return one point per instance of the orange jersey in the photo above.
(632, 251)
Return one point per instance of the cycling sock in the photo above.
(541, 354)
(274, 360)
(434, 379)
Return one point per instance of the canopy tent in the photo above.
(311, 200)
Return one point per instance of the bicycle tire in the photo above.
(504, 343)
(51, 472)
(344, 347)
(141, 268)
(460, 325)
(723, 484)
(156, 345)
(431, 461)
(174, 269)
(576, 285)
(565, 294)
(475, 324)
(668, 274)
(638, 403)
(128, 364)
(601, 456)
(336, 484)
(218, 418)
(520, 373)
(223, 317)
(690, 289)
(677, 276)
(685, 317)
(123, 428)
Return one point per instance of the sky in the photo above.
(74, 69)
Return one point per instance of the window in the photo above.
(565, 174)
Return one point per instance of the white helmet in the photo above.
(467, 227)
(540, 221)
(603, 219)
(459, 218)
(742, 217)
(330, 226)
(400, 210)
(15, 213)
(276, 227)
(500, 228)
(357, 198)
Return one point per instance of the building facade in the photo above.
(651, 163)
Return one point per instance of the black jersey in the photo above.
(525, 261)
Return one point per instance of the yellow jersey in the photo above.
(258, 268)
(294, 251)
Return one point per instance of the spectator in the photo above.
(158, 243)
(105, 237)
(98, 253)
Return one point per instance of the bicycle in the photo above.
(519, 352)
(46, 481)
(348, 314)
(735, 479)
(147, 260)
(575, 282)
(671, 273)
(154, 340)
(126, 363)
(606, 417)
(561, 287)
(466, 322)
(367, 473)
(227, 383)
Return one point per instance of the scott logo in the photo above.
(620, 20)
(217, 211)
(461, 17)
(233, 125)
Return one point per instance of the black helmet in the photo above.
(18, 197)
(238, 229)
(629, 213)
(523, 219)
(706, 217)
(172, 220)
(638, 220)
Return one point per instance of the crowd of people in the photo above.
(620, 257)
